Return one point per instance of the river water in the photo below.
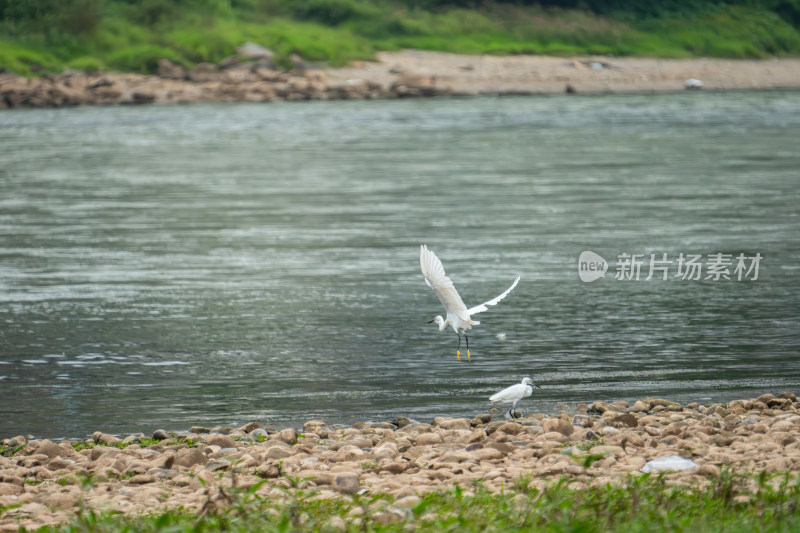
(162, 267)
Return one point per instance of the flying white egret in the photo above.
(514, 393)
(458, 316)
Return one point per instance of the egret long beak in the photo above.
(537, 386)
(431, 321)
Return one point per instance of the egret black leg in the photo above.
(458, 350)
(469, 358)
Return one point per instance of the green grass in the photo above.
(132, 35)
(731, 503)
(144, 443)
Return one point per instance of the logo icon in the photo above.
(591, 266)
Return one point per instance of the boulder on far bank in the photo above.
(170, 71)
(205, 72)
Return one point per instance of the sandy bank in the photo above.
(403, 458)
(464, 74)
(395, 75)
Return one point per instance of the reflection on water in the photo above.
(215, 264)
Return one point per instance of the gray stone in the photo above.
(278, 452)
(50, 449)
(491, 427)
(17, 442)
(311, 426)
(382, 425)
(289, 436)
(130, 439)
(160, 434)
(170, 71)
(223, 441)
(165, 460)
(200, 429)
(259, 433)
(600, 407)
(205, 72)
(481, 418)
(219, 464)
(402, 422)
(788, 396)
(10, 489)
(268, 471)
(557, 425)
(667, 404)
(99, 451)
(453, 423)
(108, 440)
(162, 473)
(346, 484)
(251, 426)
(625, 419)
(189, 457)
(141, 479)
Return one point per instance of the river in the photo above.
(170, 266)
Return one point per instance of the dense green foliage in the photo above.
(132, 35)
(731, 503)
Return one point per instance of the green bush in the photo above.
(26, 61)
(142, 58)
(86, 64)
(333, 12)
(132, 35)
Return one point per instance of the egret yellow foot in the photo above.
(469, 358)
(458, 354)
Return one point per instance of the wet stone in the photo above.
(223, 441)
(219, 464)
(189, 457)
(402, 422)
(346, 484)
(259, 433)
(50, 449)
(481, 418)
(251, 426)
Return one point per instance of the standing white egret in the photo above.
(514, 393)
(458, 316)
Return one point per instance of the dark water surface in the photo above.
(162, 267)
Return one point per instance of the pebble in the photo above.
(406, 458)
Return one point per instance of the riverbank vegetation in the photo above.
(40, 36)
(731, 502)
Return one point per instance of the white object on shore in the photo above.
(672, 463)
(693, 83)
(513, 394)
(458, 316)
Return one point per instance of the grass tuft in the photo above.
(732, 502)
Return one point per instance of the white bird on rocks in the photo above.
(513, 394)
(458, 316)
(693, 83)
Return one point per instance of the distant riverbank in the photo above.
(396, 75)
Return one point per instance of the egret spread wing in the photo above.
(484, 306)
(442, 286)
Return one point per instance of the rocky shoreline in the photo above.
(251, 76)
(596, 444)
